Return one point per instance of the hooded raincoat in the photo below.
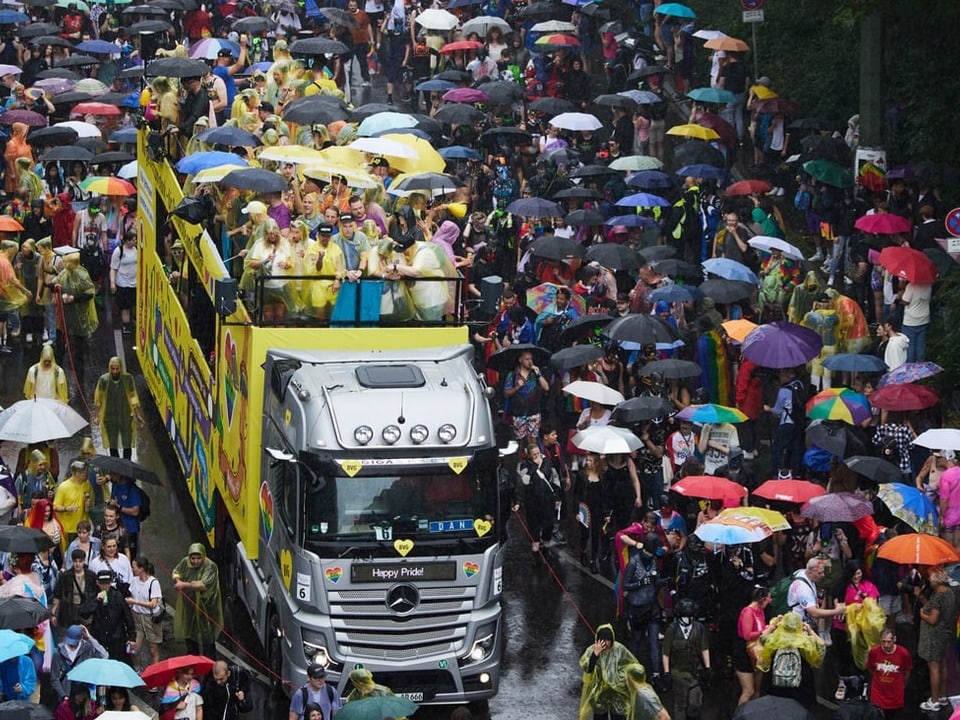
(199, 614)
(605, 686)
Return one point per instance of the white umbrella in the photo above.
(733, 531)
(705, 34)
(484, 24)
(128, 171)
(434, 19)
(576, 121)
(767, 243)
(607, 440)
(384, 146)
(83, 129)
(33, 421)
(594, 392)
(635, 163)
(123, 715)
(553, 26)
(939, 439)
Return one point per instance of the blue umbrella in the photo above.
(261, 67)
(650, 180)
(192, 164)
(642, 199)
(231, 136)
(97, 47)
(131, 101)
(126, 135)
(676, 10)
(711, 95)
(385, 121)
(14, 644)
(459, 152)
(11, 17)
(855, 362)
(912, 506)
(641, 97)
(631, 221)
(101, 671)
(435, 86)
(730, 270)
(417, 132)
(708, 172)
(676, 293)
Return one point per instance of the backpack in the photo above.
(144, 505)
(803, 201)
(779, 590)
(786, 670)
(306, 699)
(798, 402)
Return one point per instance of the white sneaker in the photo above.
(781, 191)
(46, 336)
(816, 257)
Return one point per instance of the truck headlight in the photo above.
(390, 434)
(484, 644)
(363, 434)
(447, 433)
(419, 434)
(316, 654)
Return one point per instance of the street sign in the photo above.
(752, 16)
(751, 4)
(952, 223)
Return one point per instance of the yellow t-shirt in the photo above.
(71, 493)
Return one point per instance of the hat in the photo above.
(316, 670)
(254, 207)
(225, 52)
(104, 576)
(233, 36)
(324, 229)
(380, 162)
(318, 128)
(78, 466)
(765, 81)
(266, 106)
(403, 243)
(74, 635)
(347, 217)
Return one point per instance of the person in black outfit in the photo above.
(112, 623)
(36, 225)
(194, 106)
(226, 692)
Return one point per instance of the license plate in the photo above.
(412, 696)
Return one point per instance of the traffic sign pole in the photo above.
(753, 14)
(753, 46)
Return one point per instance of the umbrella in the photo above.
(643, 97)
(12, 17)
(54, 86)
(552, 26)
(23, 539)
(792, 491)
(434, 85)
(642, 408)
(229, 136)
(711, 413)
(37, 29)
(585, 327)
(255, 25)
(465, 95)
(726, 131)
(636, 162)
(506, 359)
(883, 223)
(13, 644)
(643, 200)
(377, 708)
(579, 218)
(83, 129)
(690, 130)
(485, 23)
(76, 61)
(535, 207)
(909, 372)
(427, 183)
(457, 114)
(549, 43)
(675, 293)
(709, 487)
(175, 66)
(855, 362)
(38, 420)
(739, 329)
(10, 224)
(874, 468)
(256, 179)
(918, 549)
(70, 97)
(385, 121)
(27, 117)
(715, 96)
(640, 328)
(161, 673)
(772, 706)
(577, 193)
(607, 440)
(730, 270)
(19, 612)
(555, 247)
(125, 468)
(650, 180)
(459, 152)
(702, 170)
(939, 439)
(67, 153)
(218, 173)
(633, 221)
(616, 101)
(781, 344)
(829, 173)
(60, 73)
(733, 530)
(839, 404)
(903, 262)
(112, 157)
(836, 507)
(148, 27)
(748, 187)
(727, 291)
(101, 671)
(776, 106)
(911, 505)
(727, 44)
(572, 357)
(128, 171)
(312, 109)
(675, 9)
(576, 121)
(672, 267)
(383, 146)
(595, 392)
(771, 518)
(902, 397)
(195, 162)
(435, 19)
(209, 48)
(543, 297)
(698, 152)
(459, 46)
(107, 185)
(613, 256)
(835, 437)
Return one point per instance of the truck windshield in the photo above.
(436, 505)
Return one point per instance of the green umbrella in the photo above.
(81, 5)
(377, 707)
(829, 173)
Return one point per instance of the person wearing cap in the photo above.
(226, 67)
(417, 259)
(355, 246)
(324, 258)
(46, 379)
(73, 499)
(252, 230)
(199, 615)
(117, 407)
(77, 645)
(315, 691)
(112, 622)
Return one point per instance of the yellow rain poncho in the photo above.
(865, 622)
(605, 686)
(788, 632)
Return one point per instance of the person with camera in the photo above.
(146, 605)
(112, 623)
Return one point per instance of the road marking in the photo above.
(237, 660)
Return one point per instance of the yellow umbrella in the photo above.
(427, 160)
(694, 131)
(763, 92)
(322, 170)
(343, 156)
(738, 329)
(771, 518)
(216, 174)
(290, 153)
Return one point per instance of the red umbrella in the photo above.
(161, 673)
(903, 397)
(709, 487)
(909, 264)
(27, 117)
(883, 224)
(777, 106)
(451, 48)
(95, 108)
(794, 491)
(726, 131)
(748, 187)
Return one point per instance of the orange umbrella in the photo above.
(739, 329)
(9, 224)
(727, 44)
(918, 549)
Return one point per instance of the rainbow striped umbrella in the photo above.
(102, 185)
(839, 404)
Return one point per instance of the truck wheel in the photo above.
(274, 650)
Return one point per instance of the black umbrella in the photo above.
(551, 106)
(505, 360)
(319, 99)
(17, 613)
(50, 40)
(318, 46)
(149, 27)
(23, 539)
(727, 291)
(117, 99)
(37, 29)
(575, 356)
(698, 152)
(877, 469)
(586, 327)
(230, 136)
(124, 468)
(336, 16)
(577, 193)
(112, 157)
(71, 97)
(176, 67)
(17, 709)
(579, 218)
(48, 136)
(253, 25)
(165, 6)
(540, 9)
(651, 180)
(76, 61)
(433, 183)
(640, 328)
(646, 72)
(836, 437)
(561, 156)
(455, 76)
(309, 113)
(93, 144)
(361, 113)
(458, 114)
(672, 267)
(134, 72)
(502, 92)
(772, 706)
(535, 208)
(656, 253)
(593, 171)
(510, 135)
(642, 408)
(672, 368)
(616, 101)
(61, 73)
(256, 179)
(554, 247)
(151, 10)
(425, 123)
(614, 256)
(69, 153)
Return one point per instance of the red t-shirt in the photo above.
(888, 672)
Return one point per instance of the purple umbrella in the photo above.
(837, 507)
(465, 95)
(55, 86)
(909, 372)
(27, 117)
(781, 345)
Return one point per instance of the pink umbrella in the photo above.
(27, 117)
(465, 95)
(883, 224)
(95, 108)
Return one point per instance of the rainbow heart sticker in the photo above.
(333, 574)
(470, 569)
